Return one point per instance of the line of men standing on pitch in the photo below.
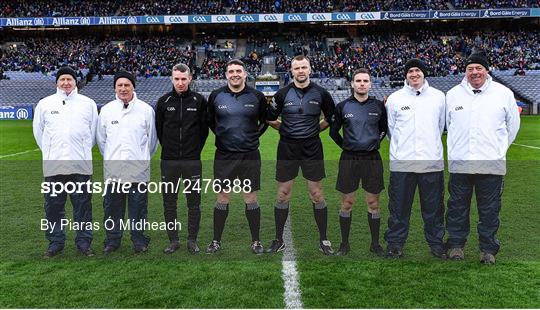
(481, 116)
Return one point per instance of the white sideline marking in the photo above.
(292, 295)
(529, 146)
(20, 153)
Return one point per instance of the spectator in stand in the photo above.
(383, 54)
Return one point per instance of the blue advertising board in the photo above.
(8, 112)
(265, 18)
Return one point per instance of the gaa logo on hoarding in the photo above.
(367, 16)
(132, 20)
(343, 16)
(152, 20)
(22, 114)
(294, 18)
(39, 22)
(175, 19)
(247, 18)
(319, 17)
(221, 18)
(200, 19)
(270, 18)
(85, 21)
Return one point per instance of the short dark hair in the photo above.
(182, 68)
(361, 70)
(300, 58)
(235, 62)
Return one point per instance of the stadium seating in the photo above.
(527, 86)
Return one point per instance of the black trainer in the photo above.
(275, 246)
(173, 247)
(344, 249)
(213, 247)
(257, 248)
(88, 252)
(439, 253)
(377, 249)
(394, 253)
(108, 249)
(193, 247)
(140, 249)
(326, 247)
(487, 258)
(53, 250)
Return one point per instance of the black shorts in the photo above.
(293, 154)
(356, 167)
(242, 166)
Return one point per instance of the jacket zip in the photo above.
(181, 122)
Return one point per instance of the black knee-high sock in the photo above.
(281, 212)
(253, 215)
(374, 221)
(345, 219)
(321, 218)
(221, 211)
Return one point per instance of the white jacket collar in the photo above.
(468, 87)
(411, 90)
(129, 103)
(63, 95)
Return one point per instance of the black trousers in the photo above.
(82, 211)
(488, 189)
(188, 173)
(401, 194)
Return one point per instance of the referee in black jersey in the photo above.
(182, 129)
(364, 123)
(237, 116)
(300, 105)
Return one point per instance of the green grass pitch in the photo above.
(236, 278)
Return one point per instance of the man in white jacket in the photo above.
(415, 126)
(126, 136)
(64, 127)
(482, 120)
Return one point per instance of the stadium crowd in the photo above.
(21, 8)
(384, 54)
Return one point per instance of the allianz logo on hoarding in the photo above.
(112, 21)
(19, 22)
(65, 21)
(200, 19)
(175, 19)
(132, 20)
(22, 114)
(85, 21)
(39, 22)
(247, 18)
(8, 112)
(153, 20)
